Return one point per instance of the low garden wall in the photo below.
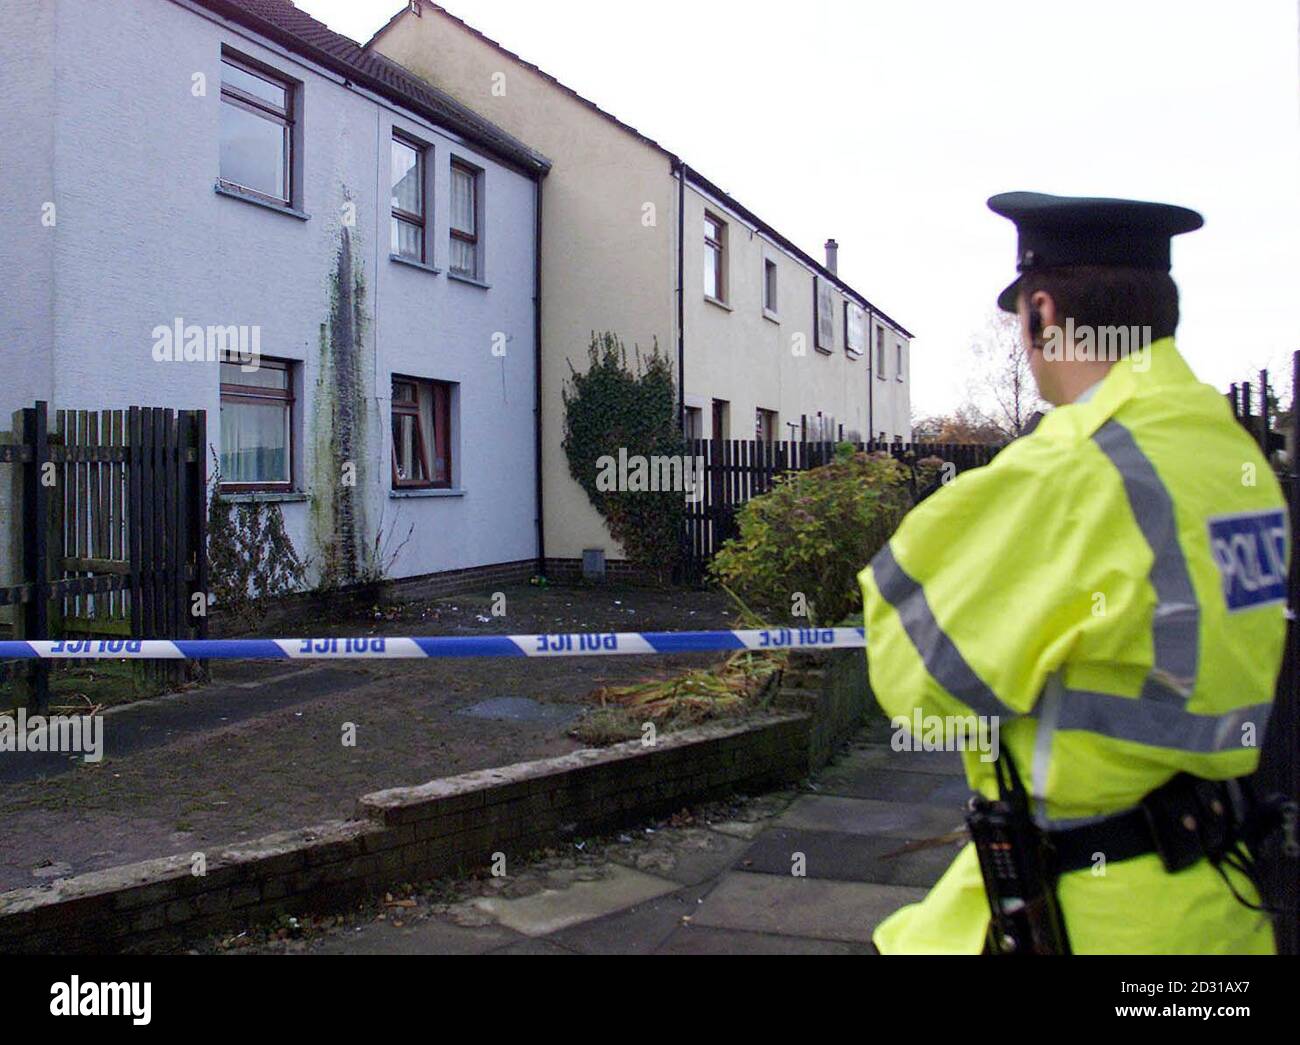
(446, 826)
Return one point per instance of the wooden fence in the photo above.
(112, 511)
(735, 471)
(1279, 769)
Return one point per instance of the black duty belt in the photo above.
(1183, 822)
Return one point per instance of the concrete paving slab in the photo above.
(861, 816)
(432, 936)
(531, 946)
(847, 857)
(897, 785)
(882, 756)
(808, 907)
(693, 856)
(638, 930)
(699, 939)
(554, 909)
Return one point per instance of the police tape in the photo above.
(579, 644)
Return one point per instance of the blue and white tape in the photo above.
(580, 644)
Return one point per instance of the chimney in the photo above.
(833, 256)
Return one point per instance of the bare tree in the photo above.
(1003, 390)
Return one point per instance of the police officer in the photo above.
(1111, 588)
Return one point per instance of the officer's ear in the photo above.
(1041, 314)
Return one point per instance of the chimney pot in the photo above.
(833, 256)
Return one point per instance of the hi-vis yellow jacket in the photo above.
(1111, 588)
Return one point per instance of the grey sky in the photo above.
(887, 123)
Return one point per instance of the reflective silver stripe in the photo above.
(1047, 711)
(940, 655)
(1176, 626)
(1159, 723)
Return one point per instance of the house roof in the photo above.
(697, 179)
(677, 163)
(283, 23)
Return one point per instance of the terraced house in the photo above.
(770, 342)
(195, 186)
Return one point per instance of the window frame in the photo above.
(476, 237)
(718, 249)
(440, 393)
(286, 117)
(261, 394)
(823, 293)
(771, 287)
(898, 360)
(422, 151)
(850, 308)
(773, 436)
(880, 354)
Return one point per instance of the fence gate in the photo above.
(112, 511)
(1279, 768)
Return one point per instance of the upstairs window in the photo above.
(465, 253)
(855, 329)
(421, 434)
(256, 132)
(880, 353)
(769, 286)
(898, 361)
(408, 171)
(824, 307)
(715, 258)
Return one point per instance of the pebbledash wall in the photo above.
(100, 116)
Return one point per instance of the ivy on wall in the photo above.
(250, 555)
(615, 407)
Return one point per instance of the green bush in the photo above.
(613, 407)
(802, 545)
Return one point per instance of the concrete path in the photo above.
(706, 885)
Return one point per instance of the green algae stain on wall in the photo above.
(341, 455)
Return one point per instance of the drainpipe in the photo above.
(681, 296)
(871, 375)
(537, 373)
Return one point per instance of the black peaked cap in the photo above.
(1057, 231)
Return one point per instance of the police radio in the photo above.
(1014, 858)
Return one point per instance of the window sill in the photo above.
(412, 263)
(824, 351)
(257, 201)
(472, 281)
(899, 380)
(771, 316)
(719, 303)
(853, 356)
(266, 497)
(404, 495)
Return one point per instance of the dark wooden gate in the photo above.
(1278, 435)
(112, 507)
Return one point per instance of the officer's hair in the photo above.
(1102, 296)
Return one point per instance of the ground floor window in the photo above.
(421, 434)
(257, 426)
(695, 423)
(765, 426)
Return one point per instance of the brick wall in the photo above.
(404, 834)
